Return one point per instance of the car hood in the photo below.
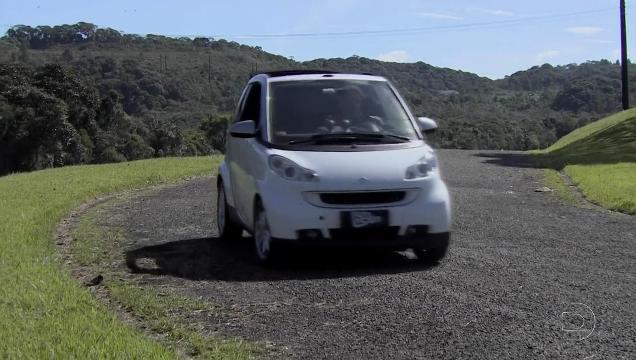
(359, 170)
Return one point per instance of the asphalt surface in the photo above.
(527, 276)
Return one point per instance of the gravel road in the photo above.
(527, 276)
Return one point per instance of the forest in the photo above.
(80, 94)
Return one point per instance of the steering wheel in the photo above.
(374, 124)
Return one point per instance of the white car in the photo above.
(331, 159)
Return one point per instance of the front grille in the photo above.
(360, 198)
(372, 233)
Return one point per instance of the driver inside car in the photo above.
(353, 114)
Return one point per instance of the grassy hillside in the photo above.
(44, 312)
(601, 159)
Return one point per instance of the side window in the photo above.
(252, 108)
(241, 104)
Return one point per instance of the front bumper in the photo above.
(290, 215)
(383, 238)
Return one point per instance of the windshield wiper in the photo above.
(397, 137)
(348, 137)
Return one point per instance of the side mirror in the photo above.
(427, 125)
(243, 129)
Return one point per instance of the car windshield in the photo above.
(310, 109)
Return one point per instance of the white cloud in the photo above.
(498, 12)
(545, 55)
(584, 30)
(399, 56)
(438, 16)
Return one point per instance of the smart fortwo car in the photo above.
(331, 159)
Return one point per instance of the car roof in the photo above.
(300, 75)
(298, 72)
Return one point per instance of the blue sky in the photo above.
(510, 35)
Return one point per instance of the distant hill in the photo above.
(155, 95)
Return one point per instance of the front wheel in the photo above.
(227, 228)
(264, 245)
(433, 255)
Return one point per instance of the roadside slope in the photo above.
(44, 312)
(601, 160)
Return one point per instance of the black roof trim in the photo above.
(297, 72)
(278, 73)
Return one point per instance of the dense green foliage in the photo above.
(80, 94)
(54, 116)
(601, 159)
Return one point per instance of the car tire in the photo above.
(265, 247)
(227, 228)
(433, 255)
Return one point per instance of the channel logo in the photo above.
(579, 320)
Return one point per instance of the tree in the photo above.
(575, 97)
(39, 134)
(215, 130)
(201, 42)
(24, 53)
(67, 56)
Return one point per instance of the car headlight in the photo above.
(289, 170)
(422, 168)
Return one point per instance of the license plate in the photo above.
(365, 218)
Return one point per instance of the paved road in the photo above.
(523, 268)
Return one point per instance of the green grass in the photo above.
(159, 312)
(99, 248)
(612, 186)
(554, 181)
(601, 160)
(44, 312)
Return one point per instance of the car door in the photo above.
(242, 155)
